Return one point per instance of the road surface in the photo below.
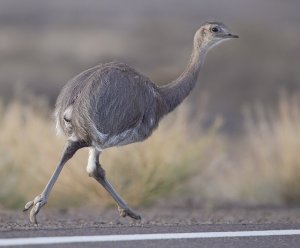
(168, 227)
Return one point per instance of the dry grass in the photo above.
(142, 173)
(273, 151)
(264, 167)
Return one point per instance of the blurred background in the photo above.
(234, 140)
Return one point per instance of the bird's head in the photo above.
(211, 34)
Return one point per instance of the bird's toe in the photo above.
(32, 216)
(128, 212)
(28, 205)
(35, 206)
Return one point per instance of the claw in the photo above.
(35, 206)
(28, 206)
(32, 216)
(128, 212)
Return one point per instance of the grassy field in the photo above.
(180, 159)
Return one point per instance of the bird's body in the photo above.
(109, 105)
(113, 105)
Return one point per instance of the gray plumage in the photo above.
(113, 105)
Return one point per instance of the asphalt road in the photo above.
(91, 222)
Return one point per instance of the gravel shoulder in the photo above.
(14, 223)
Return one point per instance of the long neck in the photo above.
(175, 92)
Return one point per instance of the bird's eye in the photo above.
(215, 30)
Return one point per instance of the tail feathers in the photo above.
(63, 121)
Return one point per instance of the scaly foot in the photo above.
(128, 212)
(36, 205)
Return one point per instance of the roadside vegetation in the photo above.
(181, 158)
(142, 173)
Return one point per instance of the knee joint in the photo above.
(98, 172)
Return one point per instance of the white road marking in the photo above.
(136, 237)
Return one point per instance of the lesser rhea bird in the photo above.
(113, 105)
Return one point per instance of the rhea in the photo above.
(114, 105)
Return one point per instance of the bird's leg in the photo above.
(40, 200)
(96, 171)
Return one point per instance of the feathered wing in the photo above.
(69, 94)
(113, 101)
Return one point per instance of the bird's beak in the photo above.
(230, 36)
